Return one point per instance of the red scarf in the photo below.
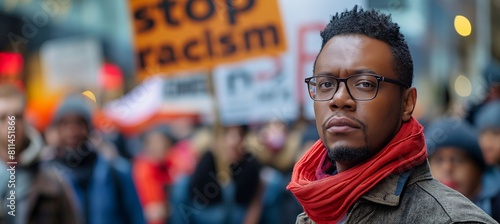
(328, 199)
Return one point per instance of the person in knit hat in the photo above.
(488, 125)
(454, 155)
(104, 187)
(456, 160)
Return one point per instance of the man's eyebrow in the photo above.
(325, 74)
(355, 72)
(360, 71)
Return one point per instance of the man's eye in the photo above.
(326, 85)
(365, 84)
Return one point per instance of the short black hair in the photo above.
(376, 25)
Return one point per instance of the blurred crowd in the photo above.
(464, 153)
(183, 171)
(180, 172)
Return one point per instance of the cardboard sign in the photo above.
(173, 35)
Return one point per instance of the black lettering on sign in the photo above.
(167, 55)
(203, 44)
(210, 45)
(244, 79)
(185, 87)
(142, 57)
(143, 22)
(208, 40)
(188, 53)
(191, 8)
(234, 9)
(167, 6)
(227, 45)
(260, 33)
(190, 11)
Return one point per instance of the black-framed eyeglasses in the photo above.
(360, 87)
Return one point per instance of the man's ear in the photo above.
(409, 102)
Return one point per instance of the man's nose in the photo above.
(342, 99)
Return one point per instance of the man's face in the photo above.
(364, 127)
(12, 106)
(454, 168)
(72, 130)
(490, 146)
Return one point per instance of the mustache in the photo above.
(338, 114)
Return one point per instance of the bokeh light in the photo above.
(89, 95)
(463, 86)
(463, 25)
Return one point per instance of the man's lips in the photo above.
(341, 124)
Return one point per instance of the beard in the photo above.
(349, 154)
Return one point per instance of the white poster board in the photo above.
(187, 93)
(71, 62)
(255, 91)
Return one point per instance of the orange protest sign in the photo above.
(177, 35)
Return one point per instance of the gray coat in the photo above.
(412, 197)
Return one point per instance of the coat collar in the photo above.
(388, 191)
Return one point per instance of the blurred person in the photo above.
(117, 139)
(491, 77)
(104, 187)
(369, 165)
(41, 194)
(309, 137)
(182, 156)
(202, 198)
(456, 161)
(51, 137)
(276, 143)
(289, 204)
(274, 135)
(488, 124)
(277, 201)
(151, 174)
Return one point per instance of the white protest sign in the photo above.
(71, 62)
(255, 91)
(187, 93)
